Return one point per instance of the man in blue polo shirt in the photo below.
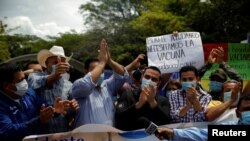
(22, 112)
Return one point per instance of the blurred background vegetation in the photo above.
(127, 23)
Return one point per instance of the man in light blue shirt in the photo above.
(201, 134)
(95, 95)
(53, 83)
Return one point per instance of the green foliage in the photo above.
(82, 46)
(4, 53)
(111, 19)
(228, 20)
(217, 20)
(155, 24)
(2, 27)
(108, 13)
(127, 23)
(160, 17)
(127, 53)
(16, 45)
(20, 44)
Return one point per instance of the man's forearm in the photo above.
(51, 79)
(116, 67)
(197, 105)
(96, 72)
(183, 110)
(214, 112)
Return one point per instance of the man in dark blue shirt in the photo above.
(22, 112)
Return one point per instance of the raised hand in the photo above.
(216, 55)
(108, 53)
(137, 61)
(61, 67)
(175, 33)
(103, 55)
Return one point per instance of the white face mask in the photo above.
(146, 82)
(21, 87)
(66, 76)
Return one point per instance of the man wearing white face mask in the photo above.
(22, 111)
(54, 82)
(189, 103)
(143, 102)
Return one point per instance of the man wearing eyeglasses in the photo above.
(143, 102)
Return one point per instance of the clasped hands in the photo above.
(191, 94)
(147, 94)
(60, 107)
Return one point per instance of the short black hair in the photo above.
(7, 71)
(189, 68)
(243, 98)
(137, 74)
(28, 64)
(153, 68)
(174, 82)
(219, 75)
(89, 61)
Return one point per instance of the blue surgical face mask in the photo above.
(245, 118)
(21, 87)
(215, 86)
(53, 69)
(186, 85)
(100, 79)
(227, 96)
(146, 82)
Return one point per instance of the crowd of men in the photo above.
(41, 99)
